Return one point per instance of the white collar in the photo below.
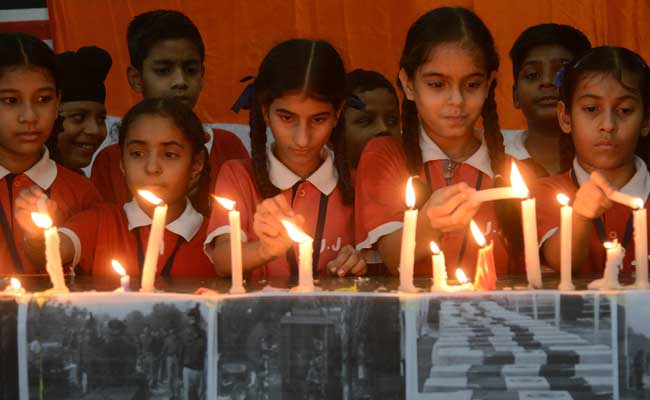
(637, 186)
(479, 160)
(515, 143)
(43, 173)
(324, 178)
(187, 225)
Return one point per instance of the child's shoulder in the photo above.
(238, 167)
(383, 148)
(552, 185)
(75, 181)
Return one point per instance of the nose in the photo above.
(152, 166)
(27, 113)
(381, 127)
(92, 127)
(179, 80)
(548, 78)
(301, 135)
(456, 96)
(608, 122)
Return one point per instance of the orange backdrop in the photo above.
(368, 33)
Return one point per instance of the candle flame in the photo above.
(611, 245)
(42, 220)
(638, 203)
(150, 197)
(460, 276)
(410, 194)
(517, 182)
(562, 199)
(118, 267)
(476, 232)
(296, 234)
(434, 247)
(225, 203)
(15, 283)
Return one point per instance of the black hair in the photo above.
(312, 67)
(19, 49)
(188, 123)
(449, 25)
(361, 80)
(149, 28)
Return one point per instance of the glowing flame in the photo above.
(118, 267)
(296, 234)
(460, 275)
(562, 199)
(225, 203)
(434, 248)
(410, 194)
(638, 203)
(478, 235)
(611, 245)
(517, 182)
(15, 283)
(150, 197)
(42, 220)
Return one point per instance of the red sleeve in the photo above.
(73, 193)
(380, 190)
(107, 176)
(85, 226)
(545, 192)
(225, 146)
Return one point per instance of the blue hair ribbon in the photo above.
(559, 77)
(245, 99)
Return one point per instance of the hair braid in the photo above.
(411, 136)
(341, 162)
(258, 152)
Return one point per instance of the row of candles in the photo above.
(485, 275)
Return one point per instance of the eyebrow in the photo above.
(439, 75)
(560, 59)
(284, 110)
(41, 89)
(142, 142)
(596, 97)
(167, 61)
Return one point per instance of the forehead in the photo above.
(547, 53)
(298, 103)
(176, 50)
(380, 99)
(154, 129)
(455, 59)
(86, 106)
(607, 85)
(26, 77)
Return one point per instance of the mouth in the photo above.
(456, 119)
(605, 145)
(183, 99)
(87, 147)
(31, 136)
(547, 100)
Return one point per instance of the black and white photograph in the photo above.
(91, 348)
(309, 347)
(634, 345)
(531, 345)
(8, 348)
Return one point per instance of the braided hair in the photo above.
(312, 67)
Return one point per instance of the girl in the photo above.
(80, 128)
(164, 163)
(298, 93)
(604, 106)
(448, 69)
(29, 98)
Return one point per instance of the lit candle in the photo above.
(155, 242)
(407, 251)
(125, 280)
(529, 222)
(53, 263)
(641, 245)
(439, 268)
(565, 243)
(236, 273)
(499, 193)
(463, 280)
(615, 256)
(625, 199)
(15, 288)
(306, 251)
(486, 274)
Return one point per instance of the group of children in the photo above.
(340, 155)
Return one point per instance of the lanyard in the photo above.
(170, 261)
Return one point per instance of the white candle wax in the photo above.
(531, 251)
(407, 249)
(439, 268)
(500, 193)
(125, 283)
(625, 199)
(486, 275)
(14, 288)
(237, 275)
(53, 263)
(566, 235)
(613, 263)
(305, 271)
(641, 248)
(154, 247)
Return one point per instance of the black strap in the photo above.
(167, 268)
(6, 228)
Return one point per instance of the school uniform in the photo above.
(380, 199)
(121, 232)
(109, 179)
(514, 142)
(615, 223)
(318, 198)
(72, 192)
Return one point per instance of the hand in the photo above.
(347, 262)
(451, 208)
(28, 201)
(592, 199)
(268, 227)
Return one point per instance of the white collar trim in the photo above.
(187, 225)
(637, 186)
(43, 173)
(324, 178)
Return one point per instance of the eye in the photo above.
(392, 121)
(285, 117)
(162, 71)
(626, 110)
(9, 100)
(436, 84)
(363, 121)
(474, 84)
(101, 119)
(531, 76)
(45, 99)
(320, 120)
(77, 118)
(136, 153)
(590, 109)
(171, 154)
(192, 70)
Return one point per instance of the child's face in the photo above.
(28, 108)
(449, 90)
(534, 91)
(84, 129)
(173, 68)
(301, 127)
(380, 118)
(157, 157)
(605, 120)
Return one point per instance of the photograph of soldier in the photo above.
(8, 348)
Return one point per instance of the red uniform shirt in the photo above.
(236, 182)
(615, 220)
(72, 192)
(110, 231)
(109, 179)
(380, 201)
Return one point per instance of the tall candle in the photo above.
(236, 271)
(486, 275)
(566, 235)
(407, 250)
(125, 280)
(439, 268)
(625, 199)
(53, 263)
(613, 263)
(306, 251)
(641, 245)
(155, 242)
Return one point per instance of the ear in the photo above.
(645, 124)
(197, 164)
(515, 97)
(135, 79)
(407, 84)
(563, 117)
(265, 114)
(122, 167)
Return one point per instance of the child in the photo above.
(537, 55)
(167, 54)
(604, 106)
(29, 98)
(299, 93)
(164, 163)
(448, 67)
(81, 125)
(372, 110)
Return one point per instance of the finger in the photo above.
(334, 264)
(449, 205)
(599, 180)
(270, 230)
(352, 260)
(283, 205)
(360, 268)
